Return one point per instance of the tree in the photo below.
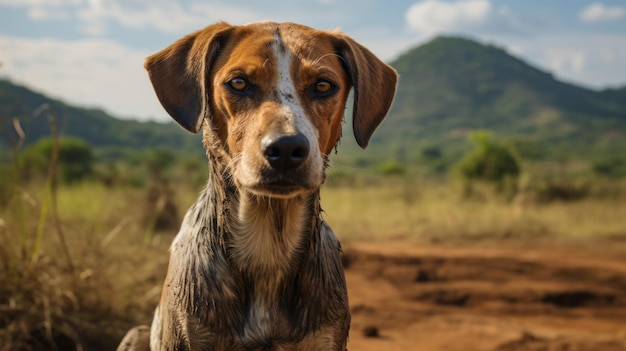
(489, 161)
(75, 159)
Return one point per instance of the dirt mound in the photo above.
(484, 299)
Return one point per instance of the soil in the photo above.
(405, 297)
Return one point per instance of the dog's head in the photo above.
(274, 95)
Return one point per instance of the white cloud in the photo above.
(49, 3)
(42, 13)
(598, 12)
(386, 44)
(463, 16)
(572, 60)
(40, 10)
(591, 60)
(95, 16)
(164, 16)
(89, 72)
(431, 16)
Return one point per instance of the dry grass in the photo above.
(112, 278)
(436, 212)
(49, 301)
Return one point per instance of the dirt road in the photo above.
(405, 297)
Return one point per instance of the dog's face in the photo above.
(274, 95)
(282, 99)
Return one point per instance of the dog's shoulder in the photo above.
(327, 237)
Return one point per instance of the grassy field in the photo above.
(77, 275)
(435, 212)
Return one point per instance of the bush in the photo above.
(434, 160)
(391, 168)
(75, 159)
(610, 167)
(489, 161)
(431, 153)
(561, 190)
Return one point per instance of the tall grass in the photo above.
(111, 283)
(437, 212)
(114, 279)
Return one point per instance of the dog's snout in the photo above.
(285, 152)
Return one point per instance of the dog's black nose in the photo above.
(285, 152)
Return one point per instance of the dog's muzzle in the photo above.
(286, 156)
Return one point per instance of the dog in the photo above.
(254, 266)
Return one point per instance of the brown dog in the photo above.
(254, 266)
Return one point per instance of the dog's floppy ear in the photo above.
(179, 75)
(374, 84)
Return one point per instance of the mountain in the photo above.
(97, 127)
(447, 87)
(451, 85)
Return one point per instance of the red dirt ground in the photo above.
(405, 297)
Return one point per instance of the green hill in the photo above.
(98, 128)
(447, 87)
(451, 85)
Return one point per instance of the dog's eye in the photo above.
(238, 84)
(323, 88)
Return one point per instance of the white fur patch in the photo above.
(292, 108)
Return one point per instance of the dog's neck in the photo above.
(261, 234)
(267, 234)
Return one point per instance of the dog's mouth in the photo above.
(280, 188)
(260, 179)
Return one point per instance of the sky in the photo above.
(90, 53)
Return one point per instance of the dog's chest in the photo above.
(266, 323)
(267, 281)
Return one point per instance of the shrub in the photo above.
(489, 161)
(610, 167)
(75, 160)
(391, 168)
(434, 160)
(431, 153)
(561, 190)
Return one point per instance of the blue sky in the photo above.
(91, 52)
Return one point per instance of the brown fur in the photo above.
(254, 267)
